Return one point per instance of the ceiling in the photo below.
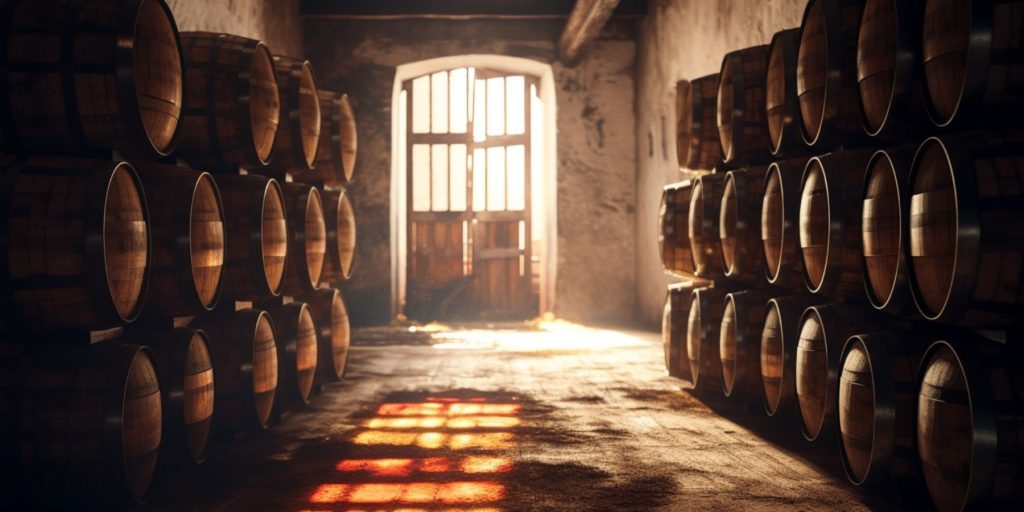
(454, 9)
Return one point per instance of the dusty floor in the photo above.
(563, 419)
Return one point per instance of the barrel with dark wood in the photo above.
(299, 137)
(674, 322)
(296, 353)
(327, 306)
(674, 235)
(780, 224)
(704, 324)
(966, 236)
(886, 200)
(232, 107)
(878, 407)
(340, 226)
(697, 144)
(705, 208)
(257, 236)
(244, 349)
(187, 226)
(888, 69)
(782, 107)
(742, 125)
(779, 339)
(75, 242)
(307, 238)
(336, 151)
(120, 88)
(739, 224)
(740, 343)
(970, 413)
(972, 67)
(88, 426)
(826, 73)
(830, 223)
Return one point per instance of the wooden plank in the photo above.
(582, 28)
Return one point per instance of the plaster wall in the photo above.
(277, 22)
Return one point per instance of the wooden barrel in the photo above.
(187, 226)
(780, 235)
(88, 426)
(885, 201)
(674, 320)
(830, 223)
(742, 125)
(878, 407)
(966, 236)
(299, 137)
(257, 231)
(232, 107)
(972, 67)
(697, 144)
(970, 413)
(739, 222)
(704, 323)
(826, 73)
(336, 151)
(705, 244)
(185, 368)
(307, 238)
(340, 225)
(674, 235)
(782, 107)
(296, 353)
(779, 338)
(333, 335)
(888, 74)
(739, 343)
(76, 242)
(90, 76)
(244, 349)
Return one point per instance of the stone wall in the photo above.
(277, 22)
(681, 40)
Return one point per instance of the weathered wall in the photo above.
(682, 40)
(276, 22)
(596, 154)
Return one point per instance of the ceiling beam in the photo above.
(452, 9)
(582, 28)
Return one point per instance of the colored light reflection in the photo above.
(435, 440)
(447, 409)
(473, 464)
(450, 493)
(434, 422)
(416, 510)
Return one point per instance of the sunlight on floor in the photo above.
(549, 334)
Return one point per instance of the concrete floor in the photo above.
(566, 418)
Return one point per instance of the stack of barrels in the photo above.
(850, 240)
(175, 220)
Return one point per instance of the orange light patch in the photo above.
(490, 441)
(483, 408)
(431, 440)
(411, 493)
(373, 437)
(406, 422)
(436, 465)
(447, 409)
(379, 467)
(329, 493)
(485, 464)
(470, 492)
(464, 422)
(400, 409)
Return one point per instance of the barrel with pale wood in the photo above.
(740, 343)
(972, 67)
(232, 107)
(675, 316)
(327, 306)
(888, 69)
(705, 208)
(780, 214)
(742, 125)
(674, 235)
(336, 151)
(878, 407)
(886, 199)
(340, 226)
(244, 349)
(90, 76)
(826, 73)
(970, 413)
(299, 131)
(739, 222)
(187, 226)
(782, 107)
(257, 236)
(297, 353)
(704, 323)
(307, 238)
(830, 223)
(76, 241)
(697, 144)
(87, 427)
(185, 368)
(966, 240)
(779, 339)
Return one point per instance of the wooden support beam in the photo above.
(583, 26)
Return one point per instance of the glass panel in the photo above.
(420, 177)
(515, 89)
(536, 162)
(421, 105)
(458, 104)
(439, 177)
(495, 179)
(480, 111)
(457, 201)
(495, 106)
(479, 162)
(471, 81)
(517, 177)
(439, 102)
